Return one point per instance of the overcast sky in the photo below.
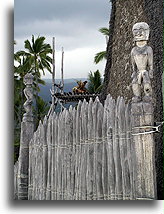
(74, 24)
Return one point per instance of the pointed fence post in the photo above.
(27, 130)
(144, 147)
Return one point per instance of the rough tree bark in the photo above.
(118, 71)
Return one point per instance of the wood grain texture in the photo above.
(88, 153)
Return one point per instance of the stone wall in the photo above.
(118, 70)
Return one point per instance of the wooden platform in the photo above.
(70, 97)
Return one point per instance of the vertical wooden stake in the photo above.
(53, 73)
(27, 130)
(144, 147)
(62, 73)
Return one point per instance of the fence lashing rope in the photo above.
(92, 196)
(86, 142)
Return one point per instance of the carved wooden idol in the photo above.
(28, 91)
(142, 63)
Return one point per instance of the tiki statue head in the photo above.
(141, 31)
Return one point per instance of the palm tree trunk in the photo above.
(118, 74)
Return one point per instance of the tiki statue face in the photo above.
(28, 79)
(141, 31)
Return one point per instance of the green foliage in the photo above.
(100, 56)
(41, 111)
(36, 56)
(103, 54)
(104, 31)
(94, 82)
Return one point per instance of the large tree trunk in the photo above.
(118, 71)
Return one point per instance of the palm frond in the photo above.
(49, 59)
(94, 82)
(39, 43)
(42, 82)
(100, 56)
(21, 53)
(33, 42)
(105, 31)
(28, 46)
(98, 90)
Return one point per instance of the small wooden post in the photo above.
(27, 130)
(144, 147)
(53, 73)
(62, 73)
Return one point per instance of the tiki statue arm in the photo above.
(133, 65)
(150, 62)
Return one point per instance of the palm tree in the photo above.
(37, 55)
(103, 54)
(94, 82)
(36, 59)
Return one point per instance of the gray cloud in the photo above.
(74, 23)
(32, 10)
(63, 18)
(71, 35)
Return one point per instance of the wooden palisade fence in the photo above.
(89, 153)
(83, 154)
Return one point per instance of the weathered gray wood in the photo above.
(89, 173)
(104, 154)
(45, 157)
(69, 142)
(78, 127)
(94, 113)
(30, 176)
(86, 147)
(53, 169)
(37, 178)
(144, 172)
(40, 163)
(130, 151)
(110, 110)
(27, 130)
(49, 144)
(80, 156)
(56, 156)
(59, 165)
(123, 150)
(34, 167)
(82, 183)
(99, 142)
(116, 154)
(121, 136)
(85, 141)
(63, 148)
(16, 181)
(73, 156)
(88, 154)
(81, 152)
